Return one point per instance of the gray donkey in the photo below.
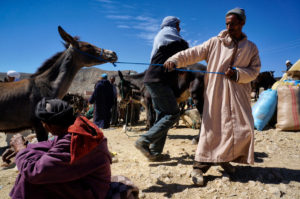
(52, 79)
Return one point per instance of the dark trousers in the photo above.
(167, 113)
(114, 113)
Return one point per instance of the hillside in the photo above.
(84, 80)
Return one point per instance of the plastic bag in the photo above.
(264, 108)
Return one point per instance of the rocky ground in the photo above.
(275, 174)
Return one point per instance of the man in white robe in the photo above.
(227, 131)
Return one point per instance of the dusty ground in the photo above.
(275, 174)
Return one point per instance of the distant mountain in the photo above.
(84, 80)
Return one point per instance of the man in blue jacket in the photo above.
(103, 97)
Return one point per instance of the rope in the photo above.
(139, 63)
(178, 69)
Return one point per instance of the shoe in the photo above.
(197, 177)
(159, 158)
(228, 168)
(143, 148)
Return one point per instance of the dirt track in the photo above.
(275, 174)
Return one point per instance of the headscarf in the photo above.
(15, 74)
(85, 134)
(169, 21)
(167, 34)
(55, 111)
(238, 11)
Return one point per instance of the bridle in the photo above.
(101, 58)
(129, 96)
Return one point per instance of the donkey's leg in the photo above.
(41, 133)
(197, 93)
(149, 112)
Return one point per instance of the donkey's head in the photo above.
(126, 88)
(88, 54)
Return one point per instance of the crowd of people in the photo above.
(76, 163)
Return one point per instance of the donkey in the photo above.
(52, 79)
(132, 88)
(264, 79)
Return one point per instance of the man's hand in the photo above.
(17, 142)
(169, 66)
(232, 74)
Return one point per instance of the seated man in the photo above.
(76, 164)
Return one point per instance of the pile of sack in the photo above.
(284, 97)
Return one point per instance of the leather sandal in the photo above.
(197, 177)
(228, 168)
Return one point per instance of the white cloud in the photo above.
(120, 17)
(105, 1)
(123, 26)
(128, 6)
(148, 19)
(194, 43)
(147, 36)
(146, 26)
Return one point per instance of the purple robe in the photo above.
(46, 172)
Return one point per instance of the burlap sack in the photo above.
(288, 108)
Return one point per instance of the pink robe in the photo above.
(227, 131)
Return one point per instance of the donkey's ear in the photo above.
(120, 75)
(67, 38)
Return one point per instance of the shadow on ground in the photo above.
(184, 137)
(174, 161)
(167, 189)
(259, 156)
(243, 174)
(266, 175)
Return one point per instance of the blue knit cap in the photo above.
(104, 75)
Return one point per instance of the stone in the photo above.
(225, 178)
(211, 190)
(282, 187)
(167, 180)
(244, 194)
(275, 191)
(251, 183)
(182, 173)
(142, 195)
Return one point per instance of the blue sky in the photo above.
(29, 33)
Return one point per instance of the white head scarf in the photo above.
(15, 74)
(167, 34)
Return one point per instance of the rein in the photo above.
(139, 63)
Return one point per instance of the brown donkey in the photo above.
(52, 79)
